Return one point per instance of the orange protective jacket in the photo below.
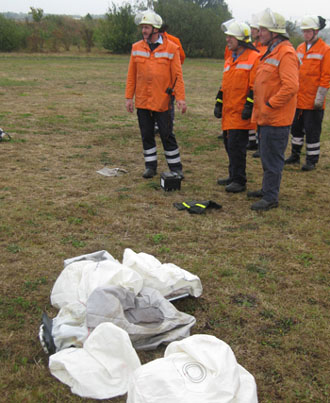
(237, 81)
(178, 42)
(276, 82)
(151, 73)
(262, 48)
(227, 53)
(314, 72)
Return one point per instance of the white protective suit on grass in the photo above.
(198, 369)
(83, 275)
(100, 369)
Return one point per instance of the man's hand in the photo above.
(218, 110)
(320, 97)
(181, 106)
(129, 105)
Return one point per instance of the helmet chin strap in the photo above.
(314, 37)
(272, 38)
(151, 34)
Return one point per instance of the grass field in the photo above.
(265, 275)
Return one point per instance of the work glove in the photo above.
(218, 105)
(320, 97)
(247, 111)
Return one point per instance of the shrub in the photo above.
(12, 35)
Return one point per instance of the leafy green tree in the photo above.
(197, 23)
(12, 35)
(37, 14)
(87, 31)
(61, 31)
(36, 38)
(118, 31)
(294, 33)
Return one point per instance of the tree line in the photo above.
(196, 22)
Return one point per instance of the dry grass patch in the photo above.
(265, 275)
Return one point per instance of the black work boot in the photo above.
(252, 145)
(224, 181)
(309, 166)
(264, 205)
(235, 187)
(255, 194)
(293, 159)
(179, 172)
(149, 173)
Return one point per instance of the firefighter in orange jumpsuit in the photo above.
(275, 99)
(154, 71)
(253, 137)
(218, 104)
(314, 82)
(237, 101)
(177, 41)
(174, 39)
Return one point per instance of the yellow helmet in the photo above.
(149, 17)
(239, 30)
(274, 22)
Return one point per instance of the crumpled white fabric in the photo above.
(167, 278)
(80, 278)
(198, 369)
(149, 318)
(105, 171)
(102, 368)
(69, 326)
(82, 274)
(94, 256)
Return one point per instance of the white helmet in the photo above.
(274, 22)
(310, 22)
(239, 30)
(254, 21)
(149, 17)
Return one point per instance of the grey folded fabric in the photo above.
(148, 318)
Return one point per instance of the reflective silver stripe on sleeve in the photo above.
(274, 62)
(150, 151)
(314, 56)
(244, 66)
(174, 152)
(226, 69)
(165, 55)
(152, 158)
(140, 53)
(300, 57)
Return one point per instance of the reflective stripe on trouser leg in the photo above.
(313, 152)
(146, 124)
(173, 158)
(313, 127)
(252, 136)
(168, 139)
(298, 132)
(150, 156)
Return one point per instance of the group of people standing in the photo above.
(267, 89)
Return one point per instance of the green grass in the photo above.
(265, 275)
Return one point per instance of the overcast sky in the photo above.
(242, 10)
